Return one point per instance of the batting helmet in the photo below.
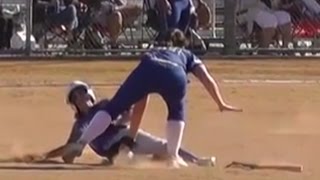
(79, 84)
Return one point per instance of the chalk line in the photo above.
(114, 84)
(269, 81)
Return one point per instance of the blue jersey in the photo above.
(100, 144)
(175, 56)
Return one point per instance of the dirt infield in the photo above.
(280, 122)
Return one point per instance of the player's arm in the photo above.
(73, 137)
(136, 117)
(211, 85)
(129, 141)
(59, 151)
(54, 153)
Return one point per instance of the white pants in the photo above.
(147, 144)
(272, 19)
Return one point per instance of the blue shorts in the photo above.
(150, 76)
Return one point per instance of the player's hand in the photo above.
(226, 107)
(74, 149)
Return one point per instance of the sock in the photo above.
(99, 123)
(174, 136)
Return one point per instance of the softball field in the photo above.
(280, 123)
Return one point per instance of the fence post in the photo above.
(214, 15)
(29, 27)
(230, 44)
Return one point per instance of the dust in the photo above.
(20, 153)
(125, 159)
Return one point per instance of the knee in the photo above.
(270, 22)
(176, 109)
(72, 10)
(266, 20)
(118, 17)
(114, 21)
(136, 10)
(283, 18)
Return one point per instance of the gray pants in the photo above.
(147, 144)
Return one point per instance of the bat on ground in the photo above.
(253, 166)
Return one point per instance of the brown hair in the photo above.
(176, 38)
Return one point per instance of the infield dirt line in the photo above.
(114, 84)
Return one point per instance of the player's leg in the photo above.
(148, 144)
(134, 88)
(175, 130)
(185, 19)
(173, 91)
(174, 17)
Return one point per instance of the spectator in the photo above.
(283, 20)
(19, 36)
(267, 18)
(65, 15)
(174, 14)
(54, 13)
(313, 6)
(111, 17)
(6, 28)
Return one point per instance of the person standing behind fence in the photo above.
(66, 15)
(174, 14)
(49, 14)
(6, 30)
(269, 20)
(283, 20)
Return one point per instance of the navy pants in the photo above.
(180, 16)
(150, 76)
(67, 17)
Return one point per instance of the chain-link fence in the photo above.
(100, 29)
(278, 27)
(227, 27)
